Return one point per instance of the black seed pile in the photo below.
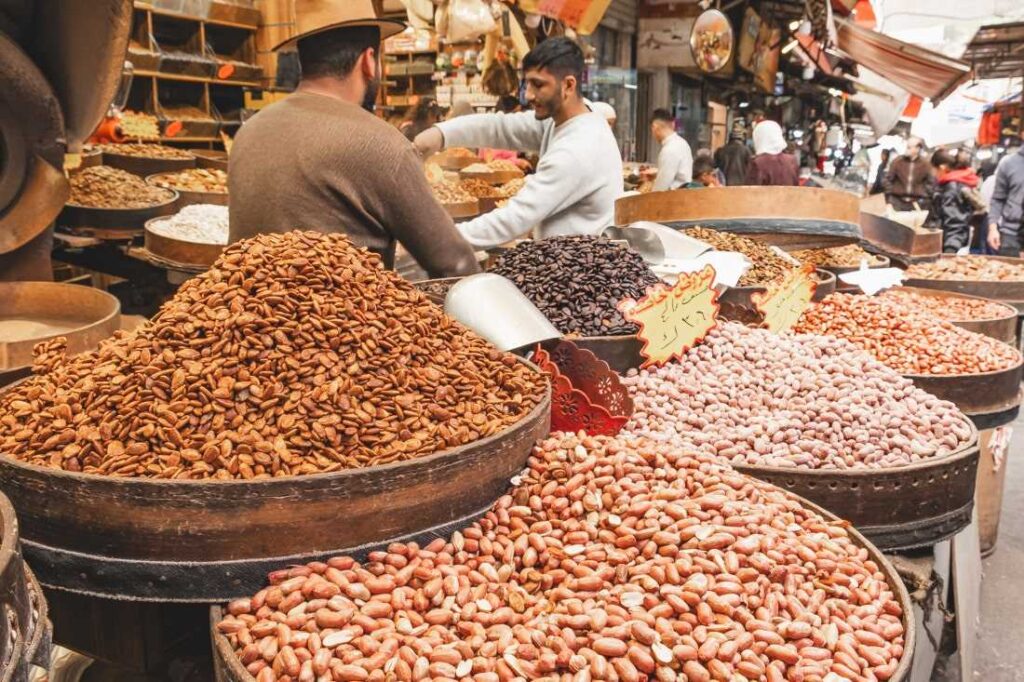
(577, 281)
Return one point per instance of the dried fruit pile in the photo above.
(756, 398)
(294, 354)
(608, 560)
(952, 308)
(767, 265)
(577, 282)
(908, 340)
(149, 151)
(450, 193)
(106, 187)
(848, 256)
(195, 180)
(972, 268)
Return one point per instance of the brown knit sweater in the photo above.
(316, 162)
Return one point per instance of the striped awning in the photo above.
(917, 70)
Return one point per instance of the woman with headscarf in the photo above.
(771, 164)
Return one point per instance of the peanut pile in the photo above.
(848, 256)
(149, 151)
(905, 338)
(480, 189)
(952, 308)
(971, 268)
(211, 181)
(450, 193)
(756, 398)
(767, 265)
(107, 187)
(294, 354)
(608, 560)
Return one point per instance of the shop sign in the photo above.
(674, 319)
(581, 15)
(786, 300)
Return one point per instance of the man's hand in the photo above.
(993, 237)
(429, 142)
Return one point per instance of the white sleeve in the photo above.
(521, 132)
(557, 184)
(668, 165)
(686, 161)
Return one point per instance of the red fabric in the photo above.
(990, 128)
(773, 169)
(965, 176)
(913, 108)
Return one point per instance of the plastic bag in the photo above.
(468, 20)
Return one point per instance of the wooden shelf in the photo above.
(194, 79)
(159, 11)
(210, 138)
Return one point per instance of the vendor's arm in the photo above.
(421, 224)
(557, 185)
(521, 132)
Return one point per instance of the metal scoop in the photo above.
(495, 309)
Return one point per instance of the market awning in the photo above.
(997, 51)
(917, 70)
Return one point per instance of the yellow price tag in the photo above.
(674, 319)
(787, 299)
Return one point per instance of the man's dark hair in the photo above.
(663, 115)
(508, 103)
(561, 56)
(701, 165)
(334, 53)
(941, 157)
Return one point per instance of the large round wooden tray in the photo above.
(453, 162)
(180, 251)
(24, 626)
(146, 165)
(790, 217)
(1011, 293)
(211, 158)
(1003, 328)
(189, 541)
(85, 316)
(494, 177)
(983, 393)
(123, 219)
(463, 209)
(228, 668)
(187, 198)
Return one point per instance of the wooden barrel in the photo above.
(24, 627)
(214, 159)
(192, 541)
(173, 250)
(790, 217)
(187, 198)
(116, 219)
(898, 241)
(1002, 328)
(228, 667)
(1011, 293)
(983, 393)
(146, 165)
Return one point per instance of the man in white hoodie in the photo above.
(579, 175)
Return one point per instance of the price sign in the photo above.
(674, 319)
(786, 300)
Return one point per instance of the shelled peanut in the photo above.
(756, 398)
(905, 338)
(610, 559)
(952, 308)
(973, 268)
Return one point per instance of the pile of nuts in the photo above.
(971, 268)
(145, 150)
(447, 192)
(756, 398)
(767, 264)
(905, 338)
(849, 256)
(294, 354)
(577, 282)
(952, 308)
(480, 189)
(197, 223)
(608, 560)
(106, 187)
(210, 181)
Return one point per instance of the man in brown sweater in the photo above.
(320, 160)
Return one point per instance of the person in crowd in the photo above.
(424, 114)
(878, 186)
(771, 164)
(704, 173)
(705, 153)
(675, 159)
(952, 203)
(320, 160)
(909, 183)
(733, 158)
(579, 175)
(1006, 213)
(461, 107)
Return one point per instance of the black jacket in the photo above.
(953, 209)
(732, 159)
